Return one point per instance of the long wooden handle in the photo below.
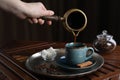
(56, 18)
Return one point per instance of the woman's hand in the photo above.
(30, 11)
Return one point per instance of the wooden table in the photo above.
(14, 55)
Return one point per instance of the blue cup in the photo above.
(77, 53)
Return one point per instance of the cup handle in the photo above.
(89, 53)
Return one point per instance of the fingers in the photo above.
(35, 20)
(30, 21)
(49, 22)
(39, 21)
(34, 11)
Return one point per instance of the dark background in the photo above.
(101, 14)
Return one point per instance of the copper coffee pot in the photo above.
(74, 20)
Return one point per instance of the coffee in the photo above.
(75, 45)
(75, 38)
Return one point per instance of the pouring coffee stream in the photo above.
(74, 20)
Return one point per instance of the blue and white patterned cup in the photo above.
(77, 53)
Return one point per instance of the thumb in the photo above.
(47, 13)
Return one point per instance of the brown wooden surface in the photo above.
(14, 55)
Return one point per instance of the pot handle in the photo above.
(53, 18)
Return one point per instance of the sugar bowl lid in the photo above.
(104, 35)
